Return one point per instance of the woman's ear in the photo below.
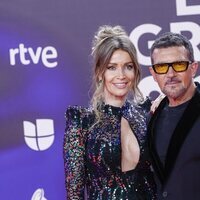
(99, 81)
(100, 78)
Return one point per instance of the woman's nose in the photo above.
(121, 73)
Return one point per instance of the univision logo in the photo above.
(39, 136)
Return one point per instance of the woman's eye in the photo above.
(129, 67)
(111, 67)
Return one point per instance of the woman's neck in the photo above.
(115, 102)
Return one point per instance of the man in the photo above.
(174, 128)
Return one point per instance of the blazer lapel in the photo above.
(157, 164)
(181, 131)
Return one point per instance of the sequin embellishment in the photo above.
(92, 154)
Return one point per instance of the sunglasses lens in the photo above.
(180, 66)
(160, 68)
(177, 67)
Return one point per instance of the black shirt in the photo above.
(165, 125)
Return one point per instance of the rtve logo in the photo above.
(26, 56)
(39, 137)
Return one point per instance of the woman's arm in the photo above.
(73, 152)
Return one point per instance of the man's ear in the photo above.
(194, 68)
(152, 73)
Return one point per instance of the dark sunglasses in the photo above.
(163, 68)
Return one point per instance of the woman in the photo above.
(105, 145)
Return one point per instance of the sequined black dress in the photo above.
(92, 155)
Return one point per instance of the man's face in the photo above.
(175, 85)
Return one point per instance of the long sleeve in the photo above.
(73, 152)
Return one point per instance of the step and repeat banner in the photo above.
(45, 66)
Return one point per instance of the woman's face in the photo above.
(118, 78)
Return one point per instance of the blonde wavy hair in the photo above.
(107, 40)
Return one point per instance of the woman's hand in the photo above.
(156, 103)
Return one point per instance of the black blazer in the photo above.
(180, 177)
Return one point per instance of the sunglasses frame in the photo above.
(171, 65)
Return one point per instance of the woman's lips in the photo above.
(120, 85)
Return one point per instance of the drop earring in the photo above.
(100, 82)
